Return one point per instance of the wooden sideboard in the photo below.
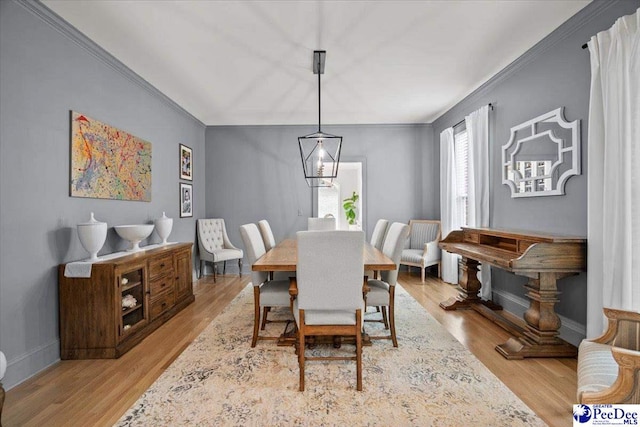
(543, 258)
(93, 322)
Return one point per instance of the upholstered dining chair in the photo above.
(267, 234)
(328, 291)
(270, 243)
(321, 224)
(266, 294)
(422, 248)
(382, 292)
(379, 231)
(215, 246)
(377, 239)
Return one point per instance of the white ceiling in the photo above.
(250, 62)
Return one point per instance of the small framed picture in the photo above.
(186, 200)
(186, 163)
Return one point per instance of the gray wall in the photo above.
(255, 172)
(43, 75)
(555, 73)
(48, 69)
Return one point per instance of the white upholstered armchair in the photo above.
(609, 366)
(215, 246)
(422, 247)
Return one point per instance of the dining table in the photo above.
(284, 257)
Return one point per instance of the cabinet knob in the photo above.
(162, 265)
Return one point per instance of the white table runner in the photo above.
(83, 268)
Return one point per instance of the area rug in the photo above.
(429, 380)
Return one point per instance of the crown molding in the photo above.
(56, 22)
(573, 24)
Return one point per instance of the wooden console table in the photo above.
(96, 323)
(544, 259)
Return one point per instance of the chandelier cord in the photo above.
(319, 97)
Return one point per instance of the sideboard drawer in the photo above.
(162, 303)
(160, 266)
(161, 285)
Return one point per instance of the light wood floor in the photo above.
(98, 392)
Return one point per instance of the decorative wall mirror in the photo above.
(541, 155)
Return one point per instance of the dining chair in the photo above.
(382, 292)
(328, 292)
(215, 246)
(379, 231)
(321, 224)
(377, 239)
(270, 243)
(266, 293)
(267, 234)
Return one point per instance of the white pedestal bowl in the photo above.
(134, 234)
(163, 227)
(92, 235)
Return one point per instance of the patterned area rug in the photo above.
(430, 379)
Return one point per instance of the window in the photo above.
(460, 152)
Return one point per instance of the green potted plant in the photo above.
(349, 207)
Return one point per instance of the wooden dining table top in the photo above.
(284, 257)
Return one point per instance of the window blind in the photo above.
(461, 151)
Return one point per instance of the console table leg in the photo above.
(540, 337)
(470, 287)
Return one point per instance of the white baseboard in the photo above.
(570, 331)
(29, 364)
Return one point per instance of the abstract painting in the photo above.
(108, 163)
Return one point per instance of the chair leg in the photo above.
(385, 319)
(215, 269)
(224, 267)
(264, 317)
(240, 266)
(392, 315)
(439, 276)
(202, 264)
(301, 349)
(256, 315)
(422, 270)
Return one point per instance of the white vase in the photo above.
(163, 227)
(135, 234)
(92, 235)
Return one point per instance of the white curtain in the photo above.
(477, 124)
(613, 278)
(449, 217)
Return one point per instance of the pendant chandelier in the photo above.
(320, 151)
